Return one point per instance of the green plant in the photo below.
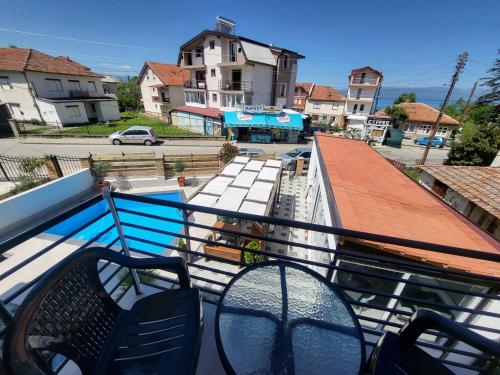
(249, 257)
(181, 244)
(478, 148)
(145, 277)
(31, 164)
(413, 173)
(25, 183)
(100, 170)
(406, 97)
(397, 114)
(228, 152)
(179, 167)
(128, 95)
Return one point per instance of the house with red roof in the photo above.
(354, 188)
(56, 90)
(162, 87)
(325, 105)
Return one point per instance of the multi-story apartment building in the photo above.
(228, 71)
(364, 87)
(56, 90)
(325, 105)
(302, 92)
(162, 87)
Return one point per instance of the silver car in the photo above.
(144, 135)
(289, 158)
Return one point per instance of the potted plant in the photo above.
(100, 171)
(249, 257)
(179, 168)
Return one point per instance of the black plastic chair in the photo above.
(69, 312)
(397, 354)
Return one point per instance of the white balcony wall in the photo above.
(43, 90)
(18, 93)
(262, 84)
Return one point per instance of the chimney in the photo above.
(224, 25)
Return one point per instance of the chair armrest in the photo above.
(426, 319)
(171, 264)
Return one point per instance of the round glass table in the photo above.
(283, 318)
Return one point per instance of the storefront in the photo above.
(263, 127)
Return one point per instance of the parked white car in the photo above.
(143, 135)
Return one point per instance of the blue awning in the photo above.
(289, 121)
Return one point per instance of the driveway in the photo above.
(410, 154)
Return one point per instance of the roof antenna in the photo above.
(225, 25)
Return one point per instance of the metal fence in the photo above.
(383, 290)
(13, 168)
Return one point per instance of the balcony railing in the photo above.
(245, 86)
(365, 81)
(79, 94)
(160, 99)
(196, 84)
(383, 290)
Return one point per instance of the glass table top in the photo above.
(281, 318)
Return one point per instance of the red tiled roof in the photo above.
(209, 112)
(421, 112)
(377, 72)
(327, 93)
(480, 185)
(169, 74)
(26, 59)
(305, 85)
(373, 196)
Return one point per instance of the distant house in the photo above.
(109, 84)
(162, 87)
(421, 119)
(57, 90)
(325, 105)
(199, 120)
(364, 87)
(473, 191)
(302, 92)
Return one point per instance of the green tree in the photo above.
(129, 95)
(397, 114)
(249, 257)
(455, 109)
(406, 97)
(478, 148)
(493, 83)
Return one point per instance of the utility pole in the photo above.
(466, 107)
(458, 69)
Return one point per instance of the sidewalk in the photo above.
(105, 141)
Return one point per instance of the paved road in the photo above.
(82, 146)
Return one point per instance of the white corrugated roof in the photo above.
(217, 186)
(258, 53)
(268, 174)
(204, 200)
(273, 163)
(254, 165)
(258, 194)
(241, 159)
(232, 169)
(236, 192)
(229, 202)
(253, 208)
(245, 179)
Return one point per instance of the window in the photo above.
(232, 51)
(361, 107)
(442, 130)
(93, 107)
(212, 73)
(409, 128)
(355, 108)
(74, 85)
(362, 80)
(5, 83)
(232, 100)
(285, 61)
(358, 94)
(198, 52)
(91, 86)
(16, 109)
(214, 97)
(335, 106)
(316, 105)
(54, 85)
(282, 89)
(194, 97)
(73, 111)
(212, 44)
(424, 129)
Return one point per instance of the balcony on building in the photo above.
(196, 84)
(357, 80)
(193, 59)
(239, 86)
(160, 99)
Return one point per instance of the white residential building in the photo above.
(228, 71)
(325, 105)
(362, 92)
(162, 87)
(56, 90)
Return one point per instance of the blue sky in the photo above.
(415, 44)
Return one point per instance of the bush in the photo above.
(479, 148)
(228, 152)
(25, 183)
(413, 173)
(31, 164)
(251, 258)
(179, 167)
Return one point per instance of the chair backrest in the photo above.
(68, 312)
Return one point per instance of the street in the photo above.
(408, 154)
